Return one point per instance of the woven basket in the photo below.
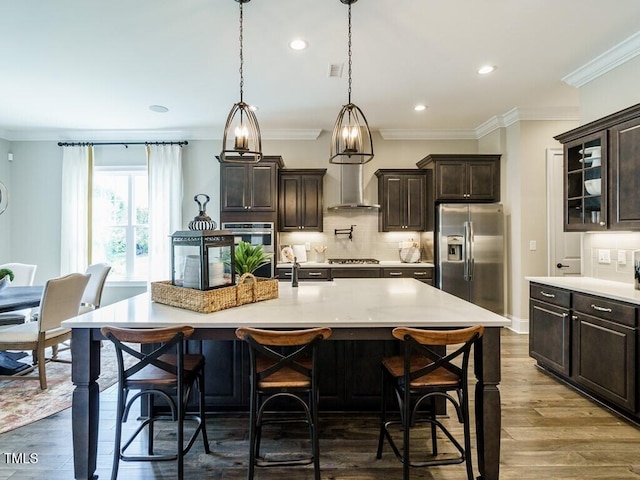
(203, 301)
(255, 289)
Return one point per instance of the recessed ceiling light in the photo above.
(420, 108)
(158, 108)
(298, 44)
(486, 69)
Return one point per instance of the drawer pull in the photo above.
(601, 309)
(545, 294)
(395, 274)
(419, 274)
(287, 274)
(315, 274)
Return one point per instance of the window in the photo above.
(120, 232)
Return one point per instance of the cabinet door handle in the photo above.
(601, 309)
(315, 274)
(548, 295)
(395, 274)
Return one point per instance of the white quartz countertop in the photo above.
(624, 292)
(346, 303)
(382, 264)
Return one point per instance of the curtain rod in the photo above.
(125, 144)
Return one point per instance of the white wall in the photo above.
(611, 92)
(5, 222)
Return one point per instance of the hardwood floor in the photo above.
(548, 432)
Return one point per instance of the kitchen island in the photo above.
(356, 309)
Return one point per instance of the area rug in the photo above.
(22, 402)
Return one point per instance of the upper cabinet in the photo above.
(403, 200)
(602, 173)
(249, 188)
(300, 200)
(464, 177)
(624, 167)
(585, 206)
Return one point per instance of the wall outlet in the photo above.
(622, 257)
(604, 255)
(533, 245)
(307, 246)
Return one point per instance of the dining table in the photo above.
(355, 309)
(17, 298)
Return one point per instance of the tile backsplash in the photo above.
(609, 256)
(367, 242)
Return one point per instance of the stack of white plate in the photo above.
(592, 156)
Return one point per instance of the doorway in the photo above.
(565, 248)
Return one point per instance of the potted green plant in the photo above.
(6, 276)
(249, 258)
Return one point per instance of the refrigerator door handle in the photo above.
(465, 251)
(471, 253)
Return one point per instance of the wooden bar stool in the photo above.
(160, 373)
(283, 364)
(418, 378)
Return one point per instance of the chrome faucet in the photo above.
(294, 272)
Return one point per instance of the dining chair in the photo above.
(60, 301)
(161, 370)
(93, 293)
(91, 300)
(283, 365)
(24, 275)
(424, 373)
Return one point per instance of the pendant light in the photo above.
(351, 141)
(241, 141)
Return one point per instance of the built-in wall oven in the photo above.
(256, 233)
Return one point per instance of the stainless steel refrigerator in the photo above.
(469, 252)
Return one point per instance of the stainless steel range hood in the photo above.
(352, 189)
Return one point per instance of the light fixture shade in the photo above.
(241, 141)
(351, 142)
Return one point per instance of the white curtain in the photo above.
(75, 239)
(165, 206)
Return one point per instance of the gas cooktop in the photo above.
(350, 261)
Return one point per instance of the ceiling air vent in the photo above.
(335, 70)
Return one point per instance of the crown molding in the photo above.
(499, 121)
(150, 135)
(520, 114)
(612, 58)
(393, 134)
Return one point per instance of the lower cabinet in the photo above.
(604, 349)
(424, 274)
(591, 342)
(550, 328)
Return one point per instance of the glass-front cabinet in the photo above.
(586, 183)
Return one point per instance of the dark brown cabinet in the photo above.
(585, 168)
(403, 198)
(464, 177)
(249, 188)
(609, 201)
(550, 327)
(604, 349)
(589, 342)
(300, 200)
(625, 176)
(285, 273)
(424, 274)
